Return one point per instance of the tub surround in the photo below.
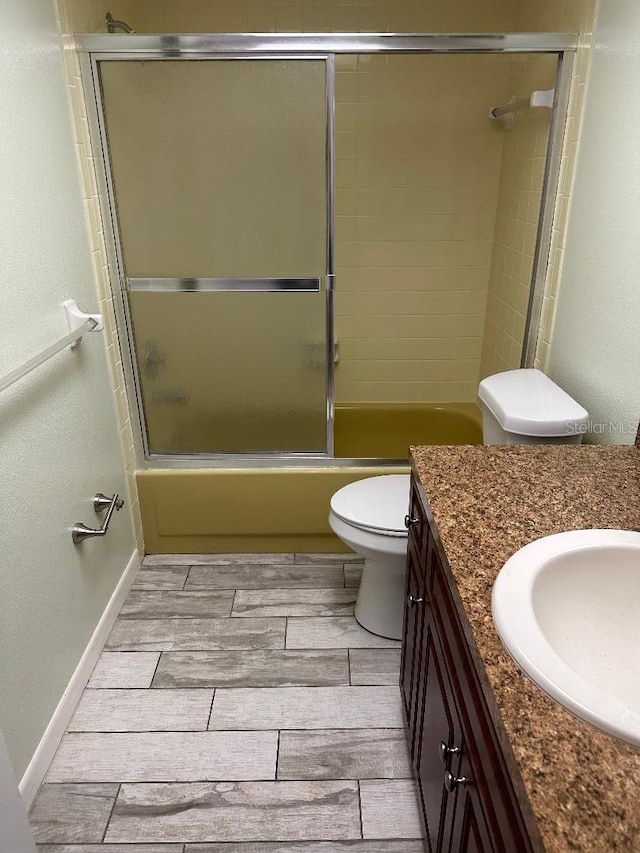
(579, 785)
(282, 509)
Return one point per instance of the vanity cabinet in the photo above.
(468, 801)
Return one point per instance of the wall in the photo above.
(595, 345)
(521, 184)
(59, 435)
(417, 166)
(518, 212)
(415, 332)
(255, 16)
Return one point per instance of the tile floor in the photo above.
(237, 708)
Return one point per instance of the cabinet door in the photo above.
(470, 831)
(411, 641)
(415, 590)
(440, 744)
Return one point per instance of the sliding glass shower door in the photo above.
(220, 182)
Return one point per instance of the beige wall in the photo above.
(60, 442)
(418, 165)
(518, 212)
(594, 350)
(295, 15)
(520, 187)
(416, 202)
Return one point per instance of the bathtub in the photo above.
(282, 510)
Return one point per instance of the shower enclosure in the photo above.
(219, 167)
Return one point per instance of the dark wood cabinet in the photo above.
(468, 801)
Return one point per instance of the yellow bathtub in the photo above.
(278, 509)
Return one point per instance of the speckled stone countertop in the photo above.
(582, 786)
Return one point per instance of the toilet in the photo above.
(518, 407)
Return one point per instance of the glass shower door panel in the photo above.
(232, 372)
(219, 172)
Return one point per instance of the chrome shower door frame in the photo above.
(95, 48)
(89, 60)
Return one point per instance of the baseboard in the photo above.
(42, 757)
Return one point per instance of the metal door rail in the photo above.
(223, 285)
(176, 46)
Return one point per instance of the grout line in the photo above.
(278, 755)
(115, 799)
(349, 665)
(210, 711)
(186, 578)
(286, 631)
(233, 603)
(360, 809)
(154, 673)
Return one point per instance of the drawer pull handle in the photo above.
(411, 600)
(445, 751)
(451, 782)
(409, 522)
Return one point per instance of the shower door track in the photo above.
(94, 48)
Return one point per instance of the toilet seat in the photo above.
(376, 504)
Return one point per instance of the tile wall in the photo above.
(518, 212)
(87, 165)
(577, 15)
(520, 185)
(415, 254)
(418, 168)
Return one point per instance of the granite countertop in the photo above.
(582, 785)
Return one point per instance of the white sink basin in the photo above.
(567, 607)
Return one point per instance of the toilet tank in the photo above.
(526, 407)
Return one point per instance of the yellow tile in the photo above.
(346, 87)
(346, 117)
(407, 370)
(345, 173)
(345, 19)
(289, 19)
(346, 62)
(346, 201)
(261, 18)
(233, 19)
(387, 201)
(316, 19)
(401, 392)
(345, 146)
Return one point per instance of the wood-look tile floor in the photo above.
(237, 707)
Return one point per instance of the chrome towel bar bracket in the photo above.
(80, 532)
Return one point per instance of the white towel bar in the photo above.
(79, 324)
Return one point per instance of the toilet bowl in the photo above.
(519, 407)
(368, 516)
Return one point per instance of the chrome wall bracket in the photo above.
(80, 532)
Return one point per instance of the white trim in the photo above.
(15, 834)
(42, 757)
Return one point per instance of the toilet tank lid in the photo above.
(527, 402)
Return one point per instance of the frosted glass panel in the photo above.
(219, 172)
(232, 372)
(218, 166)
